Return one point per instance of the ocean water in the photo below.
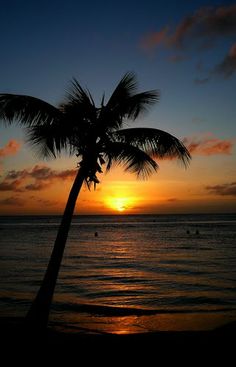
(140, 273)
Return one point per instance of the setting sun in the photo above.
(120, 204)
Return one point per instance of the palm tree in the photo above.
(97, 137)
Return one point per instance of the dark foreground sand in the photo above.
(168, 344)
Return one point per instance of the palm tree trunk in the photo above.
(37, 317)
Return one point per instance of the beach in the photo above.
(194, 347)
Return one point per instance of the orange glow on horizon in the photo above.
(119, 193)
(120, 204)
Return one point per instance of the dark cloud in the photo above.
(228, 66)
(40, 172)
(38, 178)
(183, 30)
(205, 25)
(66, 174)
(11, 185)
(12, 201)
(227, 189)
(14, 175)
(199, 31)
(47, 202)
(37, 186)
(42, 201)
(154, 39)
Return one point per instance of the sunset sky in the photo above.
(185, 49)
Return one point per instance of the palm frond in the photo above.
(50, 140)
(79, 103)
(126, 88)
(132, 158)
(27, 110)
(140, 102)
(126, 103)
(157, 143)
(79, 94)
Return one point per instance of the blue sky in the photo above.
(44, 44)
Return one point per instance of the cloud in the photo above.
(200, 30)
(172, 200)
(12, 201)
(43, 201)
(227, 189)
(11, 148)
(14, 175)
(47, 202)
(38, 178)
(208, 145)
(228, 66)
(11, 185)
(37, 186)
(154, 39)
(205, 25)
(41, 172)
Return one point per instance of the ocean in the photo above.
(124, 273)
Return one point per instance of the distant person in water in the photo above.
(96, 234)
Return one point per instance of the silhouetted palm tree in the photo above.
(95, 136)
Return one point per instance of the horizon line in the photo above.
(116, 215)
